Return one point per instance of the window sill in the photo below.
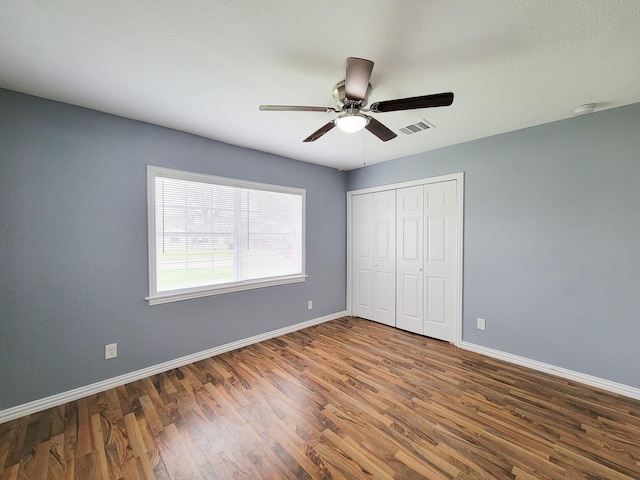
(177, 296)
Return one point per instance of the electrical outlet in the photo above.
(310, 304)
(110, 351)
(480, 323)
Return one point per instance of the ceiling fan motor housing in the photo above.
(344, 103)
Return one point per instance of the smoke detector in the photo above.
(584, 109)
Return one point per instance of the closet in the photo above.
(406, 254)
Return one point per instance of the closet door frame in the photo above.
(459, 177)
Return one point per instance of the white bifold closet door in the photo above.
(427, 259)
(374, 256)
(410, 258)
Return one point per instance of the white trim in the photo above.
(410, 183)
(460, 244)
(619, 388)
(154, 171)
(349, 254)
(235, 287)
(77, 393)
(459, 177)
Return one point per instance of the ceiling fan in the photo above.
(351, 97)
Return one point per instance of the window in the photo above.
(211, 235)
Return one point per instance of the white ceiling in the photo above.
(205, 66)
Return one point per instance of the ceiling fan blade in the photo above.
(425, 101)
(295, 108)
(320, 132)
(379, 130)
(357, 78)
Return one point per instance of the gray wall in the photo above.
(552, 239)
(73, 248)
(552, 227)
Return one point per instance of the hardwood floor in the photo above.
(346, 399)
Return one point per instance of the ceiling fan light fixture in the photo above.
(351, 122)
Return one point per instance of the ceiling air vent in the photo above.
(416, 127)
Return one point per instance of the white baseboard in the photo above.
(81, 392)
(597, 382)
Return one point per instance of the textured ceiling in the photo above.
(205, 66)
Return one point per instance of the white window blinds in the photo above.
(212, 235)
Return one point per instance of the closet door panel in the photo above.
(441, 260)
(409, 259)
(362, 288)
(374, 245)
(409, 315)
(384, 259)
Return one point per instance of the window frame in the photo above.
(156, 297)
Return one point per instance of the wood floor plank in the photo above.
(137, 445)
(10, 473)
(69, 472)
(426, 469)
(6, 442)
(83, 444)
(17, 437)
(153, 452)
(55, 460)
(176, 457)
(151, 414)
(98, 445)
(298, 449)
(346, 399)
(130, 470)
(367, 464)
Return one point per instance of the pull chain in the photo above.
(364, 148)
